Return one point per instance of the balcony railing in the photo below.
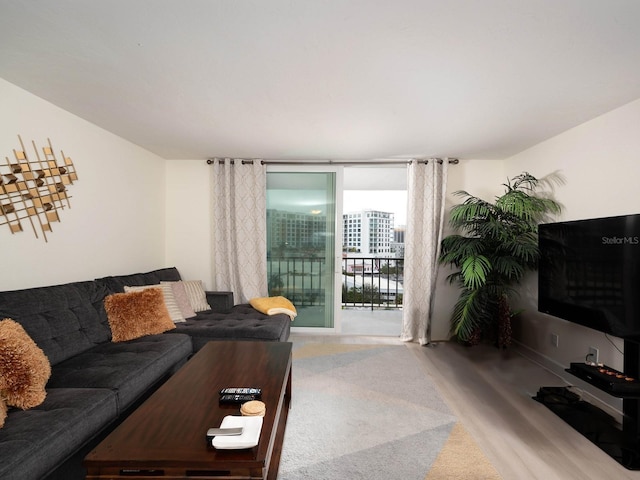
(368, 282)
(372, 282)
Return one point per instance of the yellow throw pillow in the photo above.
(24, 368)
(137, 314)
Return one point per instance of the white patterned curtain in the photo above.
(426, 190)
(240, 228)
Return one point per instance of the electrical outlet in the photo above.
(593, 355)
(555, 339)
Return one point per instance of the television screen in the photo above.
(589, 273)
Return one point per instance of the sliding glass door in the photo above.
(301, 242)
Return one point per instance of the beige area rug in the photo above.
(462, 459)
(372, 412)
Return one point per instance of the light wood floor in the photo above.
(491, 392)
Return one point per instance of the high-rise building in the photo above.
(294, 231)
(368, 232)
(397, 246)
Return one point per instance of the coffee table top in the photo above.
(168, 429)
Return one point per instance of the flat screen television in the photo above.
(589, 273)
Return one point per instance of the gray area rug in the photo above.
(362, 412)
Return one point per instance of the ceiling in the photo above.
(326, 79)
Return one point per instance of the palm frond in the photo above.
(523, 181)
(464, 214)
(474, 271)
(524, 201)
(469, 313)
(508, 268)
(524, 247)
(517, 203)
(455, 248)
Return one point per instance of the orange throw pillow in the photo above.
(24, 368)
(136, 314)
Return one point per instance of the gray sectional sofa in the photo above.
(94, 382)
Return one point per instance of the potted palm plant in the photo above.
(493, 247)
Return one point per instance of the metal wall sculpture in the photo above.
(34, 189)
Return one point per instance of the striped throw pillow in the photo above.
(197, 296)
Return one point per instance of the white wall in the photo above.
(601, 163)
(188, 230)
(116, 221)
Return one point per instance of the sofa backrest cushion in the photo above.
(116, 283)
(63, 320)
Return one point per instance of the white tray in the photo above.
(250, 434)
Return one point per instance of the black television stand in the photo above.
(621, 442)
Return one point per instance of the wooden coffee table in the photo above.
(165, 437)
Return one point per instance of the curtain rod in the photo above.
(452, 161)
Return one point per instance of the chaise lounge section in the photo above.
(96, 382)
(223, 321)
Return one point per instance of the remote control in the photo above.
(241, 391)
(214, 432)
(237, 398)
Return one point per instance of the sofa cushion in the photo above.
(24, 368)
(63, 320)
(242, 323)
(116, 283)
(127, 368)
(136, 314)
(34, 441)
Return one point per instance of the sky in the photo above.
(393, 201)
